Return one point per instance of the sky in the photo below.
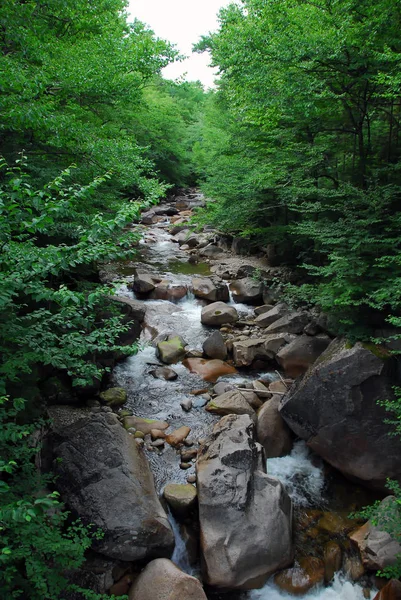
(182, 22)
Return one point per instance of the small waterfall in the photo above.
(180, 555)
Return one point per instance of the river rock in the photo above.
(377, 548)
(206, 289)
(181, 497)
(245, 351)
(261, 310)
(334, 407)
(247, 291)
(171, 350)
(233, 402)
(291, 323)
(332, 559)
(104, 477)
(163, 373)
(261, 390)
(144, 283)
(178, 436)
(115, 396)
(391, 591)
(218, 313)
(300, 579)
(144, 425)
(211, 251)
(162, 580)
(209, 370)
(169, 291)
(274, 314)
(272, 431)
(215, 347)
(245, 515)
(301, 353)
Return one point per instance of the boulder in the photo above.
(301, 353)
(171, 350)
(163, 373)
(377, 548)
(260, 310)
(291, 323)
(165, 210)
(231, 403)
(104, 477)
(162, 580)
(245, 515)
(300, 579)
(207, 289)
(148, 218)
(215, 347)
(272, 431)
(144, 425)
(169, 291)
(209, 370)
(115, 396)
(391, 591)
(247, 291)
(181, 497)
(178, 436)
(268, 317)
(218, 313)
(334, 407)
(144, 283)
(247, 350)
(211, 251)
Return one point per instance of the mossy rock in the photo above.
(114, 396)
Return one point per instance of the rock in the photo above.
(209, 370)
(261, 390)
(292, 323)
(186, 404)
(144, 425)
(391, 591)
(231, 403)
(261, 310)
(158, 443)
(148, 218)
(218, 313)
(165, 210)
(266, 347)
(272, 431)
(233, 489)
(184, 465)
(121, 588)
(188, 454)
(353, 567)
(162, 580)
(299, 580)
(247, 291)
(214, 291)
(222, 387)
(164, 373)
(114, 396)
(178, 436)
(191, 478)
(215, 347)
(157, 434)
(181, 497)
(377, 548)
(104, 477)
(334, 407)
(301, 353)
(332, 560)
(144, 283)
(211, 251)
(169, 291)
(280, 386)
(274, 314)
(193, 353)
(171, 350)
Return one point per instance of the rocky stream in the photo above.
(257, 490)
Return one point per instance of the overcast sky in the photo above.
(182, 22)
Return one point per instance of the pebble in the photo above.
(185, 465)
(139, 441)
(158, 443)
(188, 455)
(139, 434)
(200, 401)
(189, 442)
(186, 404)
(131, 430)
(191, 478)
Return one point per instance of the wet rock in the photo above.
(144, 283)
(169, 291)
(247, 350)
(334, 407)
(188, 454)
(391, 591)
(186, 404)
(292, 323)
(377, 548)
(335, 524)
(280, 386)
(122, 587)
(191, 478)
(274, 314)
(148, 218)
(261, 390)
(214, 291)
(260, 310)
(171, 350)
(184, 465)
(272, 431)
(233, 488)
(215, 347)
(209, 370)
(222, 387)
(194, 354)
(164, 373)
(158, 443)
(165, 210)
(162, 580)
(181, 497)
(233, 402)
(301, 353)
(218, 313)
(114, 396)
(332, 560)
(300, 579)
(178, 436)
(353, 567)
(104, 477)
(144, 425)
(157, 434)
(247, 291)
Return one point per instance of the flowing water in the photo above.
(302, 473)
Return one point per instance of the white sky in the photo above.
(182, 22)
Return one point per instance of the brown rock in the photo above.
(178, 436)
(181, 497)
(144, 425)
(299, 580)
(272, 431)
(391, 591)
(231, 403)
(157, 434)
(209, 370)
(301, 353)
(332, 560)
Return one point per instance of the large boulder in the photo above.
(266, 347)
(301, 353)
(272, 431)
(209, 370)
(247, 291)
(232, 402)
(144, 283)
(245, 515)
(268, 317)
(335, 408)
(207, 289)
(377, 548)
(172, 350)
(215, 347)
(104, 477)
(162, 580)
(391, 591)
(218, 313)
(291, 323)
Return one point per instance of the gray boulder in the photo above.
(207, 289)
(272, 431)
(172, 350)
(144, 283)
(245, 515)
(268, 317)
(334, 407)
(215, 347)
(232, 402)
(247, 291)
(162, 580)
(291, 323)
(218, 313)
(266, 347)
(301, 353)
(104, 477)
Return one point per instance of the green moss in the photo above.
(377, 350)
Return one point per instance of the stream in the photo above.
(311, 484)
